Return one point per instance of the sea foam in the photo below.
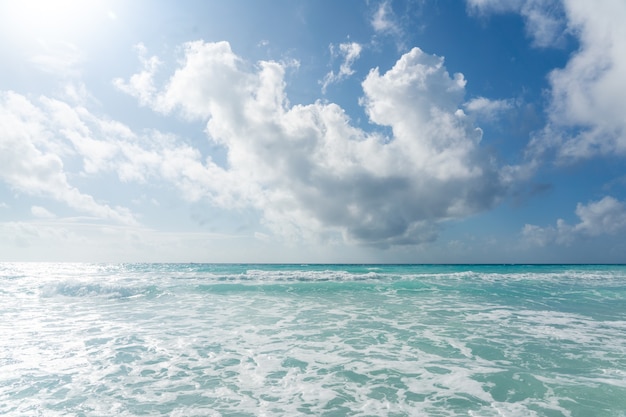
(327, 340)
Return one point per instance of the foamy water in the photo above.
(322, 340)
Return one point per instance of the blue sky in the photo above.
(313, 131)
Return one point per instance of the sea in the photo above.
(312, 340)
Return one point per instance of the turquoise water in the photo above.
(319, 340)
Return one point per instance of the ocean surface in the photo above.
(316, 340)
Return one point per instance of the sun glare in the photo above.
(59, 19)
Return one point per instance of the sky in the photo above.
(313, 131)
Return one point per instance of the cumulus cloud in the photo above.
(589, 94)
(310, 171)
(603, 217)
(350, 53)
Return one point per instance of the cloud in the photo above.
(30, 156)
(487, 109)
(603, 217)
(43, 137)
(141, 85)
(350, 53)
(494, 6)
(309, 171)
(41, 212)
(588, 95)
(385, 22)
(107, 146)
(544, 19)
(57, 57)
(384, 19)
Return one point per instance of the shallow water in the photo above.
(323, 340)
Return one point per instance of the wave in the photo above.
(528, 283)
(84, 289)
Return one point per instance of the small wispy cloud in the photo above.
(141, 85)
(41, 212)
(384, 20)
(59, 58)
(350, 53)
(545, 19)
(486, 108)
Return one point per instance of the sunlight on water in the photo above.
(245, 340)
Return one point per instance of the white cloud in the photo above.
(604, 217)
(494, 6)
(30, 156)
(589, 94)
(41, 212)
(487, 109)
(350, 53)
(544, 19)
(108, 146)
(384, 20)
(544, 22)
(607, 216)
(141, 85)
(42, 137)
(60, 58)
(309, 171)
